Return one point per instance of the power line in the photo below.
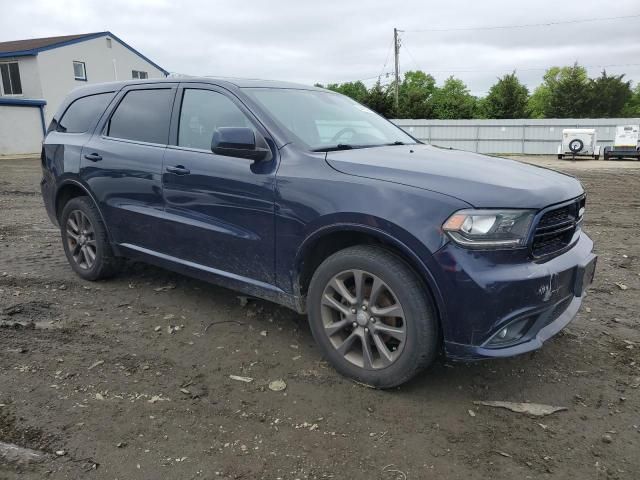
(412, 58)
(396, 45)
(386, 60)
(526, 25)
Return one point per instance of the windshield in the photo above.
(327, 121)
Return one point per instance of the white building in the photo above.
(36, 74)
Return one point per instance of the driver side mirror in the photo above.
(240, 142)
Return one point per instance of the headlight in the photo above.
(489, 228)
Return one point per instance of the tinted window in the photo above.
(83, 112)
(202, 112)
(143, 115)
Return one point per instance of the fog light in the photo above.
(511, 334)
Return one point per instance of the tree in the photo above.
(506, 99)
(609, 95)
(564, 93)
(538, 101)
(453, 100)
(380, 100)
(415, 95)
(356, 90)
(632, 108)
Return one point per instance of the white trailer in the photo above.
(626, 143)
(579, 142)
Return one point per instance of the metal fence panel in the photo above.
(527, 136)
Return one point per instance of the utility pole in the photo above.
(396, 48)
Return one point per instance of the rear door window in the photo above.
(83, 112)
(143, 115)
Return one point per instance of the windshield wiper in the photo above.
(340, 146)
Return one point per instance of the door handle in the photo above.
(178, 170)
(94, 157)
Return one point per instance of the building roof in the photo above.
(13, 46)
(33, 46)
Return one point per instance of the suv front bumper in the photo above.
(488, 293)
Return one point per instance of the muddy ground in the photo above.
(99, 373)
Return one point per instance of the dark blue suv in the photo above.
(395, 249)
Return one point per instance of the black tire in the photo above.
(422, 337)
(576, 145)
(559, 156)
(105, 264)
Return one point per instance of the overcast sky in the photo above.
(332, 41)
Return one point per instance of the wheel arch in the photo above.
(330, 239)
(70, 189)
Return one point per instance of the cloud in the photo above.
(332, 41)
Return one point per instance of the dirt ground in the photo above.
(124, 380)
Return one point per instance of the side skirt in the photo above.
(248, 286)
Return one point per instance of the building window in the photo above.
(108, 42)
(10, 74)
(79, 71)
(137, 74)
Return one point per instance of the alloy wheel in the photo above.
(81, 239)
(363, 319)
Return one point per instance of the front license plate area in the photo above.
(584, 276)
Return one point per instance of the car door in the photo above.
(122, 163)
(219, 210)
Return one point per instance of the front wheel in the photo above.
(372, 316)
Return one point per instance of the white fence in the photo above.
(521, 136)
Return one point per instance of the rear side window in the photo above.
(83, 112)
(143, 115)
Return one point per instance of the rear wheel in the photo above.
(372, 316)
(85, 242)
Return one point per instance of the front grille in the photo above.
(555, 229)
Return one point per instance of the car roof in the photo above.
(228, 82)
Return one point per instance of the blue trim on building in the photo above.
(35, 51)
(24, 102)
(42, 122)
(166, 73)
(19, 53)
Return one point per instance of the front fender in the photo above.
(413, 251)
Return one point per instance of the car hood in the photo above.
(480, 180)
